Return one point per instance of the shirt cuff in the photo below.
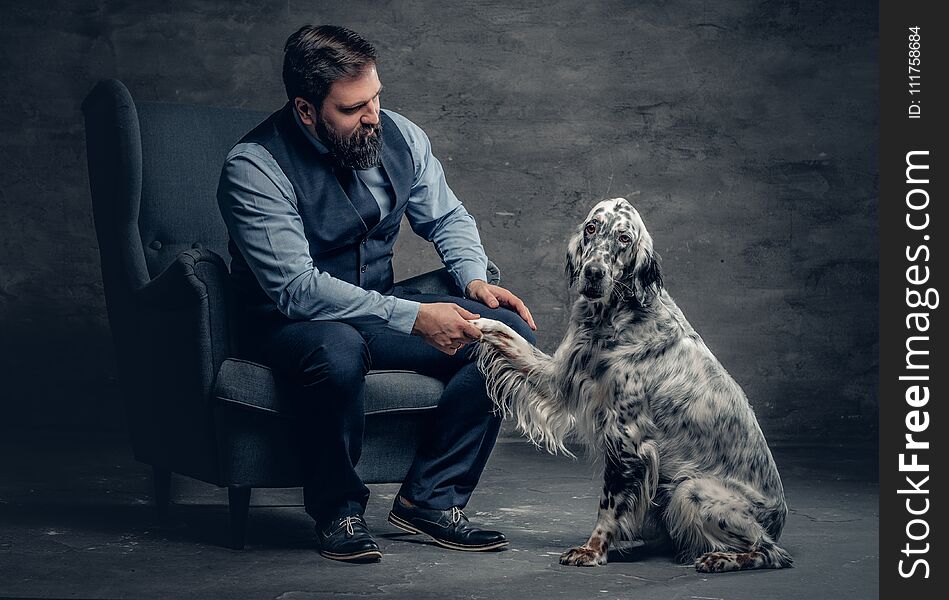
(404, 313)
(467, 272)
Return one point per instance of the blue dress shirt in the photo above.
(259, 206)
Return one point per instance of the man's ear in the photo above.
(305, 110)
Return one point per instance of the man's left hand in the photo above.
(494, 296)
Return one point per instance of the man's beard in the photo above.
(356, 151)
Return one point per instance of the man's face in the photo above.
(348, 122)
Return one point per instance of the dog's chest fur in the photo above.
(608, 402)
(592, 340)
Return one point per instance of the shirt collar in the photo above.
(320, 147)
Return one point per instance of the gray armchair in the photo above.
(193, 406)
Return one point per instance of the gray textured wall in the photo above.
(744, 131)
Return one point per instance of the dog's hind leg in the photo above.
(654, 534)
(718, 525)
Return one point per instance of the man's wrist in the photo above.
(472, 285)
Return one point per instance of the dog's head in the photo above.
(612, 255)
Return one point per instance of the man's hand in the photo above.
(494, 296)
(445, 326)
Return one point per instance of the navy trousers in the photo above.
(326, 363)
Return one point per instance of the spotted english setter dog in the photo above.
(685, 459)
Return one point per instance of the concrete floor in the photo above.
(76, 522)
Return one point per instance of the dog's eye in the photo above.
(624, 238)
(590, 229)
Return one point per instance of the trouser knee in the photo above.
(515, 322)
(337, 364)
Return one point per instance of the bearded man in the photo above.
(313, 198)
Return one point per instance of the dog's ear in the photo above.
(574, 251)
(646, 274)
(647, 277)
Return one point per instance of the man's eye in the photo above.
(624, 238)
(591, 229)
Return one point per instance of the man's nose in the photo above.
(371, 115)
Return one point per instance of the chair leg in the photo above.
(162, 481)
(238, 500)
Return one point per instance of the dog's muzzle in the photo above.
(593, 280)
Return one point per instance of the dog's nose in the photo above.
(593, 273)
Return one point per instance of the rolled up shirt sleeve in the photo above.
(259, 208)
(436, 214)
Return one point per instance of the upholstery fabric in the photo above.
(252, 386)
(185, 148)
(259, 424)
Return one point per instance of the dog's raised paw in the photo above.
(582, 556)
(484, 324)
(491, 326)
(501, 337)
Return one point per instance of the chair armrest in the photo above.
(441, 282)
(184, 282)
(172, 338)
(194, 292)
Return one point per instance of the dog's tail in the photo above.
(523, 389)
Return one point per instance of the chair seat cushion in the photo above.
(246, 384)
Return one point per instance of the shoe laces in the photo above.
(457, 515)
(348, 523)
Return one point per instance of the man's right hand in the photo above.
(445, 326)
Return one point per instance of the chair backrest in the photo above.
(183, 150)
(153, 170)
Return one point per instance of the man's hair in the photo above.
(315, 57)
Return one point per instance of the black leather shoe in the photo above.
(348, 538)
(449, 528)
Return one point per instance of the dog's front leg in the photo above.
(629, 484)
(506, 344)
(594, 551)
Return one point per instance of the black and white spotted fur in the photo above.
(685, 459)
